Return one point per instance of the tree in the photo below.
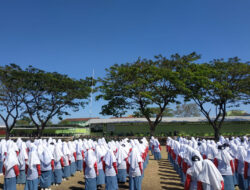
(140, 86)
(11, 95)
(187, 110)
(237, 113)
(168, 112)
(52, 94)
(219, 84)
(24, 121)
(64, 122)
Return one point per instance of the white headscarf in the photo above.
(196, 167)
(3, 149)
(65, 149)
(109, 158)
(23, 153)
(90, 158)
(210, 175)
(241, 153)
(100, 152)
(33, 159)
(19, 143)
(121, 154)
(46, 156)
(224, 156)
(79, 147)
(57, 153)
(134, 158)
(11, 160)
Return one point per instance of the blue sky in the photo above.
(75, 37)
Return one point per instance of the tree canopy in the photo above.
(39, 95)
(140, 86)
(11, 95)
(220, 83)
(149, 85)
(51, 94)
(187, 110)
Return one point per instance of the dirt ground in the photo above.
(158, 175)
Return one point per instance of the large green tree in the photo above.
(216, 85)
(168, 112)
(52, 94)
(187, 110)
(140, 86)
(11, 95)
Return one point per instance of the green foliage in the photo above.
(64, 122)
(140, 86)
(183, 129)
(51, 94)
(11, 95)
(187, 110)
(168, 112)
(39, 95)
(237, 113)
(24, 121)
(220, 83)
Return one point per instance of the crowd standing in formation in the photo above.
(48, 162)
(201, 164)
(207, 165)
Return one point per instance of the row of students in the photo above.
(43, 163)
(229, 157)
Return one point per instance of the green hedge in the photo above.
(183, 129)
(142, 129)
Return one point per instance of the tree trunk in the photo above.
(152, 128)
(216, 133)
(7, 134)
(39, 132)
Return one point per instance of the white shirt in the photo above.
(134, 172)
(10, 173)
(90, 172)
(110, 171)
(32, 173)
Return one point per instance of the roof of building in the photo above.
(165, 119)
(81, 119)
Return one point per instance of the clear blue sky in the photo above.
(76, 36)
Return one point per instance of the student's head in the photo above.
(221, 147)
(195, 158)
(226, 145)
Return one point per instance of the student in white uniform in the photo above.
(110, 169)
(210, 178)
(193, 172)
(47, 166)
(122, 158)
(100, 152)
(22, 158)
(58, 158)
(247, 168)
(135, 169)
(157, 149)
(224, 162)
(66, 164)
(33, 169)
(79, 155)
(90, 170)
(241, 155)
(10, 170)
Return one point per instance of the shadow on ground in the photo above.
(169, 179)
